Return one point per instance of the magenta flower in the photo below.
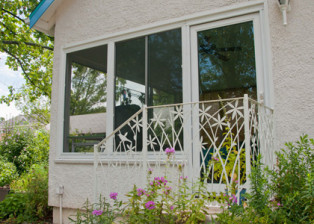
(278, 204)
(113, 195)
(171, 207)
(150, 205)
(140, 191)
(215, 158)
(97, 212)
(158, 181)
(167, 190)
(170, 151)
(184, 178)
(233, 198)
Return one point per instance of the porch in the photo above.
(215, 140)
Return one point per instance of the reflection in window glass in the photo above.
(130, 78)
(148, 71)
(226, 70)
(85, 99)
(164, 68)
(227, 62)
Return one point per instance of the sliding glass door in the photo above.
(226, 63)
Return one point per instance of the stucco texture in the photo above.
(292, 48)
(293, 70)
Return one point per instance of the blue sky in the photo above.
(8, 77)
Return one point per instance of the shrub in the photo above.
(292, 179)
(13, 206)
(282, 195)
(31, 196)
(12, 145)
(7, 172)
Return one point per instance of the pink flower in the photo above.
(278, 204)
(171, 207)
(233, 198)
(113, 195)
(140, 191)
(167, 190)
(215, 158)
(97, 212)
(184, 178)
(169, 151)
(150, 205)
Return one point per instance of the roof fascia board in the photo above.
(39, 11)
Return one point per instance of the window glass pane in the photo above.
(164, 68)
(86, 99)
(130, 78)
(165, 87)
(227, 62)
(226, 70)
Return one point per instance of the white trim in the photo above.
(267, 57)
(110, 88)
(76, 158)
(186, 88)
(60, 107)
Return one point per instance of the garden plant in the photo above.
(24, 169)
(284, 194)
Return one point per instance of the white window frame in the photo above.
(259, 8)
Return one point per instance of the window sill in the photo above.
(88, 158)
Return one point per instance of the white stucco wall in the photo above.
(292, 67)
(293, 70)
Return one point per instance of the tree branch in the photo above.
(22, 67)
(26, 43)
(15, 16)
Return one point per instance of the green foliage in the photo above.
(229, 153)
(23, 165)
(30, 198)
(282, 195)
(260, 194)
(35, 109)
(13, 144)
(24, 147)
(27, 49)
(88, 90)
(293, 177)
(98, 213)
(7, 172)
(13, 206)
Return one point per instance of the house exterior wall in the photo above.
(292, 66)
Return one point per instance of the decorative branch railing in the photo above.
(216, 141)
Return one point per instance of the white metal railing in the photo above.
(216, 140)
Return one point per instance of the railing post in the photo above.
(144, 151)
(95, 172)
(247, 137)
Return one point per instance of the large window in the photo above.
(85, 102)
(147, 71)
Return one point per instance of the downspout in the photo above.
(60, 191)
